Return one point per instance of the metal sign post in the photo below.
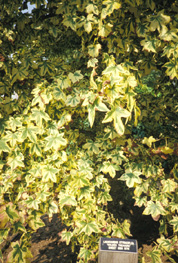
(116, 250)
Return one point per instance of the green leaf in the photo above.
(110, 168)
(92, 8)
(38, 116)
(49, 173)
(115, 70)
(79, 181)
(11, 212)
(3, 219)
(88, 23)
(118, 231)
(66, 236)
(87, 227)
(19, 74)
(19, 227)
(93, 50)
(43, 196)
(55, 141)
(85, 254)
(97, 105)
(140, 201)
(159, 21)
(53, 32)
(169, 185)
(100, 106)
(141, 188)
(70, 21)
(150, 44)
(92, 62)
(104, 197)
(34, 220)
(155, 256)
(17, 252)
(149, 141)
(29, 132)
(116, 114)
(52, 209)
(76, 76)
(59, 94)
(92, 147)
(85, 192)
(35, 149)
(165, 244)
(105, 29)
(174, 223)
(91, 114)
(32, 203)
(142, 29)
(46, 67)
(150, 4)
(172, 68)
(154, 209)
(131, 178)
(13, 123)
(63, 82)
(68, 200)
(16, 160)
(3, 146)
(111, 5)
(12, 138)
(84, 168)
(73, 100)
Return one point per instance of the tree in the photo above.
(96, 96)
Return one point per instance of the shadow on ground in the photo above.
(47, 246)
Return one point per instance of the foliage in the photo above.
(95, 86)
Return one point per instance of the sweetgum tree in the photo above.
(88, 89)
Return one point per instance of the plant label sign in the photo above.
(116, 250)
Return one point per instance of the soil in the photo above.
(47, 247)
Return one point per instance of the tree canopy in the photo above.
(88, 91)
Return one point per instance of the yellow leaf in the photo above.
(104, 29)
(110, 7)
(167, 150)
(148, 141)
(91, 8)
(159, 21)
(93, 50)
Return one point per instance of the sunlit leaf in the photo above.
(116, 114)
(155, 256)
(131, 178)
(154, 209)
(3, 146)
(67, 200)
(66, 236)
(174, 223)
(76, 76)
(16, 160)
(149, 141)
(169, 185)
(88, 227)
(55, 141)
(110, 7)
(73, 100)
(93, 50)
(38, 116)
(49, 173)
